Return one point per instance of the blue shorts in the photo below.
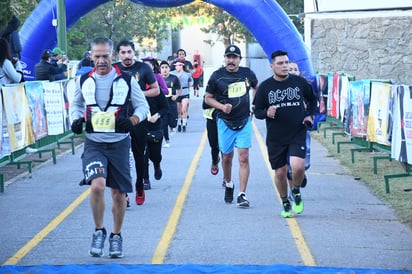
(110, 161)
(229, 138)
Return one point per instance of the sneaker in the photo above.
(304, 182)
(184, 128)
(229, 194)
(287, 210)
(116, 247)
(127, 201)
(96, 249)
(242, 200)
(158, 173)
(297, 203)
(140, 197)
(146, 184)
(167, 144)
(224, 184)
(179, 128)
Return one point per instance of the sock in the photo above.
(184, 121)
(229, 184)
(112, 234)
(296, 189)
(285, 199)
(102, 229)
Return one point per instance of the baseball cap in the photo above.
(234, 50)
(57, 51)
(179, 63)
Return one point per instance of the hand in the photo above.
(77, 125)
(271, 112)
(308, 122)
(123, 125)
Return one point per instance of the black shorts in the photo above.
(180, 98)
(108, 160)
(279, 153)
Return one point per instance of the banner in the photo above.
(359, 94)
(68, 93)
(18, 117)
(401, 148)
(35, 98)
(378, 119)
(53, 98)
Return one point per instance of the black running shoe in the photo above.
(242, 200)
(229, 194)
(146, 184)
(179, 128)
(158, 173)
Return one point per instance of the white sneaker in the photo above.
(166, 144)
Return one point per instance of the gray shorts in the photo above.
(108, 160)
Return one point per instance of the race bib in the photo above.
(208, 113)
(237, 89)
(170, 93)
(103, 121)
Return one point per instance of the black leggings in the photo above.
(211, 126)
(139, 135)
(153, 153)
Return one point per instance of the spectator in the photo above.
(57, 59)
(197, 73)
(44, 70)
(11, 34)
(10, 68)
(86, 61)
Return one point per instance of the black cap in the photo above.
(234, 50)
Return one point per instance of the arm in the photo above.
(139, 103)
(11, 71)
(77, 105)
(211, 101)
(260, 105)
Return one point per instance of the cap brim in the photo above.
(232, 53)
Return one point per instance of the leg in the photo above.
(281, 181)
(97, 200)
(138, 135)
(118, 210)
(227, 166)
(298, 170)
(244, 169)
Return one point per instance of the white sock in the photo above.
(229, 184)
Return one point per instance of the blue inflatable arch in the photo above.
(266, 20)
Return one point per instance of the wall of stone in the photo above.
(367, 45)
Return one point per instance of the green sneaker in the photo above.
(287, 210)
(297, 203)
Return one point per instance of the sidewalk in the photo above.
(185, 224)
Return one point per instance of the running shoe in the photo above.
(127, 201)
(116, 247)
(242, 200)
(179, 128)
(166, 144)
(158, 173)
(297, 203)
(184, 128)
(287, 210)
(96, 249)
(214, 169)
(140, 198)
(229, 194)
(146, 184)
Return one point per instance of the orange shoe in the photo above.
(140, 198)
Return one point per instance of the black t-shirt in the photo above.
(173, 83)
(232, 88)
(289, 97)
(142, 72)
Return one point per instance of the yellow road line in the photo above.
(46, 230)
(294, 228)
(167, 235)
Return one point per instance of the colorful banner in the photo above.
(359, 94)
(35, 97)
(401, 148)
(18, 117)
(5, 140)
(68, 93)
(379, 124)
(330, 92)
(53, 98)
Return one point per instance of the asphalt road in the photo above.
(47, 219)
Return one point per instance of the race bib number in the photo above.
(103, 121)
(208, 113)
(170, 93)
(237, 89)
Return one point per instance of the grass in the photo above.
(400, 196)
